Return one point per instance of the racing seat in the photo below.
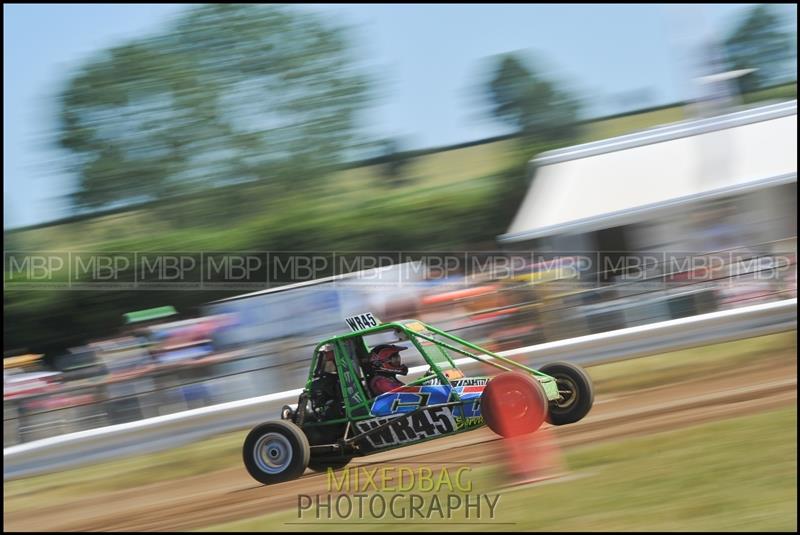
(325, 392)
(326, 396)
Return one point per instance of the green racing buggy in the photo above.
(337, 418)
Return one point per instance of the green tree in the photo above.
(230, 93)
(534, 106)
(759, 42)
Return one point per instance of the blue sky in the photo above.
(429, 59)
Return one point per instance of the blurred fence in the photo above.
(535, 309)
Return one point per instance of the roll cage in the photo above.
(351, 354)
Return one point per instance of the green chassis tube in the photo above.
(414, 331)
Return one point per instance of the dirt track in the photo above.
(231, 494)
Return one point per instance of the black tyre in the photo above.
(322, 464)
(577, 393)
(513, 404)
(276, 451)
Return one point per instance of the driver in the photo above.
(386, 365)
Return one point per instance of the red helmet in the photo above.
(386, 358)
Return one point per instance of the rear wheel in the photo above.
(577, 393)
(513, 404)
(276, 451)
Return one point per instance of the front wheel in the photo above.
(575, 388)
(275, 452)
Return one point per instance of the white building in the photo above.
(659, 188)
(726, 184)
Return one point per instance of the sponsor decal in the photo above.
(417, 401)
(409, 398)
(466, 422)
(477, 381)
(352, 392)
(471, 406)
(417, 327)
